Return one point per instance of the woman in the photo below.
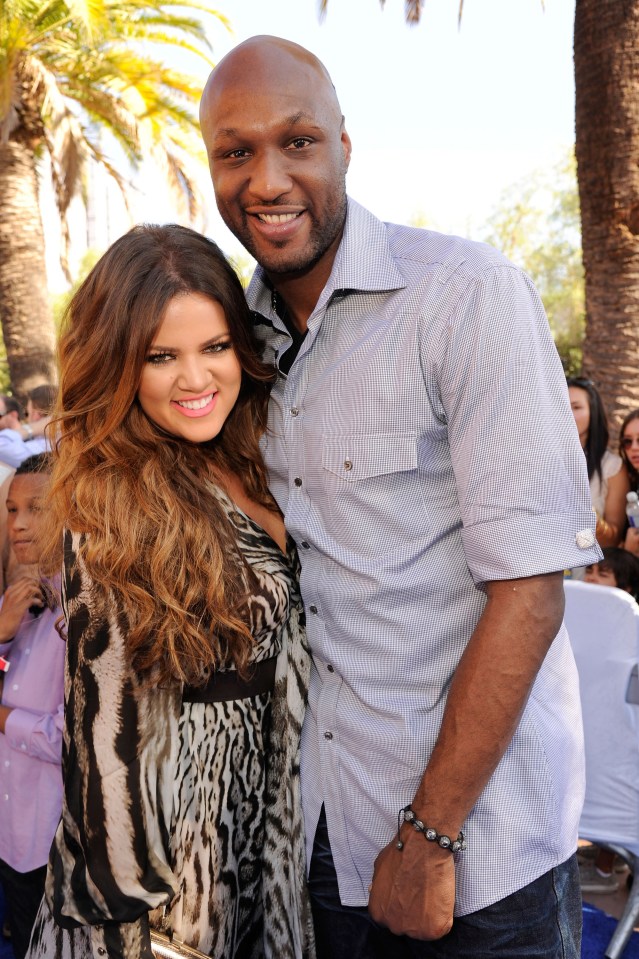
(606, 472)
(186, 673)
(629, 449)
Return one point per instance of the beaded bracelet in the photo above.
(407, 814)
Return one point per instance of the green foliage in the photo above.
(72, 71)
(537, 225)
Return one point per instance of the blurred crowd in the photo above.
(614, 484)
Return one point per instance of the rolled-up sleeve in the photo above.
(36, 734)
(519, 468)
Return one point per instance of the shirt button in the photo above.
(294, 411)
(303, 544)
(327, 735)
(15, 686)
(330, 668)
(313, 609)
(348, 465)
(27, 651)
(7, 763)
(23, 745)
(297, 481)
(6, 795)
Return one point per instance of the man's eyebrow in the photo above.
(229, 133)
(225, 133)
(299, 118)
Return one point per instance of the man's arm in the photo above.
(413, 890)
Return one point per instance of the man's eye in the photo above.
(300, 142)
(237, 154)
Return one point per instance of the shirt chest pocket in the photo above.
(355, 458)
(375, 489)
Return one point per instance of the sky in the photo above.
(442, 119)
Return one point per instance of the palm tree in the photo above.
(68, 71)
(606, 48)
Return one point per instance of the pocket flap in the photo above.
(355, 457)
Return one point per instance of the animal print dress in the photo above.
(182, 815)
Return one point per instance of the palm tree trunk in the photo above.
(25, 313)
(606, 47)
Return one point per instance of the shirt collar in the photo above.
(363, 262)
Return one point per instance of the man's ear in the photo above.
(347, 146)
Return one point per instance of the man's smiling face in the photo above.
(278, 154)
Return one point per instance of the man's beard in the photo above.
(274, 257)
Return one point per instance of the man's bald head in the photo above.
(268, 62)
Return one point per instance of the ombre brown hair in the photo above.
(154, 533)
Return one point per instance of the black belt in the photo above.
(225, 685)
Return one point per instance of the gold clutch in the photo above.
(165, 947)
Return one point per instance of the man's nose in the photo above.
(21, 519)
(270, 176)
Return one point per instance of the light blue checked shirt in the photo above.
(421, 445)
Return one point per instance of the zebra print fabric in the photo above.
(186, 815)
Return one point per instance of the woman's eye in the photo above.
(158, 358)
(219, 347)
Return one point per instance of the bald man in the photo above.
(423, 453)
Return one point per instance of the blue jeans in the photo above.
(540, 921)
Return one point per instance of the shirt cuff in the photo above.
(530, 545)
(19, 728)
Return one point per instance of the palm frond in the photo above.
(85, 79)
(63, 135)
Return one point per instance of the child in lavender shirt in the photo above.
(31, 711)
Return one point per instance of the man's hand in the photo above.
(17, 599)
(413, 889)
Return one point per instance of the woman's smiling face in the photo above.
(191, 377)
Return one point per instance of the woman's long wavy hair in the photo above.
(155, 534)
(598, 433)
(632, 472)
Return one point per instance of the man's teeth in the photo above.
(196, 404)
(277, 217)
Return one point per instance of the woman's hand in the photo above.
(610, 527)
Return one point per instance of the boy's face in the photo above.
(24, 503)
(600, 574)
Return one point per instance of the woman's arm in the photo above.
(610, 527)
